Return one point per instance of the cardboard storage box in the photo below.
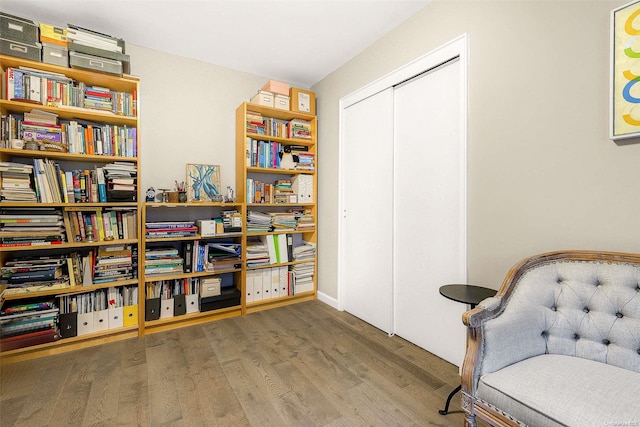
(228, 298)
(263, 98)
(95, 63)
(55, 54)
(281, 102)
(18, 29)
(302, 101)
(20, 49)
(276, 87)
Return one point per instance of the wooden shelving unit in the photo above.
(128, 84)
(244, 171)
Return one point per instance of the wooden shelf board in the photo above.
(256, 306)
(68, 344)
(191, 319)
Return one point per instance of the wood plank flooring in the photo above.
(300, 365)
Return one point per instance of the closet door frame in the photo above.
(456, 48)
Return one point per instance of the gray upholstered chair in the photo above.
(558, 345)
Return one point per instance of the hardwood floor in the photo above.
(300, 365)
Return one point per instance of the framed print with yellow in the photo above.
(625, 71)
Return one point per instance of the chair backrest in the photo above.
(587, 308)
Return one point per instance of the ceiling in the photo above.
(296, 41)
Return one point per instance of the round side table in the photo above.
(466, 294)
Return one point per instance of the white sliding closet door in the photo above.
(366, 241)
(429, 205)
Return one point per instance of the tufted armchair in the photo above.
(559, 345)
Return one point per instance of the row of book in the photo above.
(68, 136)
(106, 264)
(276, 282)
(98, 224)
(298, 189)
(46, 182)
(275, 155)
(31, 227)
(295, 129)
(278, 248)
(56, 89)
(193, 256)
(297, 218)
(167, 229)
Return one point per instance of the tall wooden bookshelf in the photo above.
(70, 161)
(247, 174)
(188, 212)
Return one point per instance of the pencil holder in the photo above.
(182, 196)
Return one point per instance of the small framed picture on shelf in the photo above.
(203, 183)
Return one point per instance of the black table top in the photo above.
(468, 294)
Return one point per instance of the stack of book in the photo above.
(232, 221)
(224, 256)
(43, 128)
(255, 123)
(257, 253)
(258, 222)
(31, 227)
(302, 277)
(304, 219)
(98, 98)
(305, 251)
(28, 324)
(283, 221)
(113, 263)
(282, 191)
(304, 160)
(158, 261)
(16, 182)
(32, 274)
(156, 230)
(121, 182)
(300, 129)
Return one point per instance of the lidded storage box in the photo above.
(21, 50)
(95, 63)
(263, 98)
(18, 29)
(55, 54)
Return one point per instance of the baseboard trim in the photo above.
(328, 300)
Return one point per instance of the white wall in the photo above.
(187, 114)
(542, 174)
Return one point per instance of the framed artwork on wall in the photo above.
(203, 183)
(625, 71)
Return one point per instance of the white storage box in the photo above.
(281, 102)
(263, 98)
